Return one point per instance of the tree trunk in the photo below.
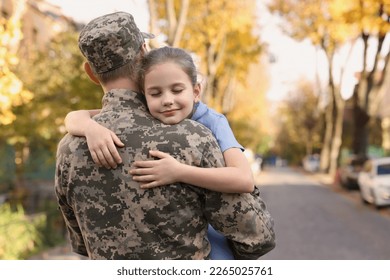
(326, 148)
(337, 137)
(360, 121)
(176, 24)
(326, 151)
(153, 23)
(367, 90)
(214, 58)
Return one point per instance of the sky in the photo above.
(293, 60)
(86, 10)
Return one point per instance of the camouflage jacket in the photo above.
(108, 216)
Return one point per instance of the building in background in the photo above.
(40, 21)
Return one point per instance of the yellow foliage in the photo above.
(12, 92)
(322, 21)
(250, 107)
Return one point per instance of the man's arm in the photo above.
(60, 187)
(245, 222)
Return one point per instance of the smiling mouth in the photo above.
(169, 113)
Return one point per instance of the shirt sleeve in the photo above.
(225, 135)
(60, 187)
(244, 220)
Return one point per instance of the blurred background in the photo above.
(304, 84)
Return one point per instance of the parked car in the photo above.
(311, 163)
(349, 171)
(374, 182)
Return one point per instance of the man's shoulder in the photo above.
(69, 143)
(194, 126)
(189, 127)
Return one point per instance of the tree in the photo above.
(12, 91)
(58, 84)
(300, 126)
(176, 13)
(248, 117)
(322, 22)
(372, 19)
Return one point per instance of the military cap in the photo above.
(110, 41)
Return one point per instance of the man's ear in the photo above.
(197, 92)
(145, 48)
(91, 75)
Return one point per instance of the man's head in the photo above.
(111, 42)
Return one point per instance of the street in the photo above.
(315, 222)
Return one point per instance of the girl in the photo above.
(168, 78)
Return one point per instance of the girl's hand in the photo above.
(155, 173)
(101, 143)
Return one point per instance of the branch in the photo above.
(172, 23)
(152, 22)
(181, 23)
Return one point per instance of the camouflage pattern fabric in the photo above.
(109, 216)
(110, 41)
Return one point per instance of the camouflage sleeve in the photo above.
(60, 187)
(242, 218)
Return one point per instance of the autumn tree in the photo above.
(299, 123)
(323, 23)
(12, 91)
(372, 20)
(173, 15)
(249, 119)
(58, 84)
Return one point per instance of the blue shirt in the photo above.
(218, 124)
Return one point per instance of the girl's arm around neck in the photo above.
(77, 122)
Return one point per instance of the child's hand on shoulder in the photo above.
(102, 143)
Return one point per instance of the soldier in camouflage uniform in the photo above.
(108, 215)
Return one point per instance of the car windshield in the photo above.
(384, 169)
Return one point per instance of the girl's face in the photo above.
(169, 93)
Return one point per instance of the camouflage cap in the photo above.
(110, 41)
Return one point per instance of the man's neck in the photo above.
(121, 83)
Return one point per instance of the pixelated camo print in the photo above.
(109, 217)
(110, 41)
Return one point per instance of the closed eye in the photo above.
(154, 94)
(177, 90)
